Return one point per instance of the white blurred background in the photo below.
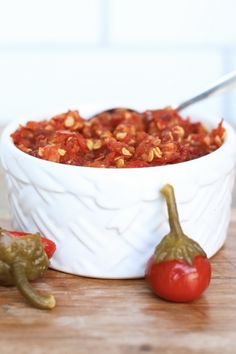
(63, 54)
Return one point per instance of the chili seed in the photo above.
(69, 122)
(89, 144)
(121, 135)
(120, 162)
(150, 155)
(179, 131)
(97, 144)
(126, 152)
(157, 152)
(40, 151)
(61, 152)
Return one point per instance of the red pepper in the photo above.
(177, 280)
(49, 246)
(179, 270)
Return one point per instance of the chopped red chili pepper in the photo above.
(118, 139)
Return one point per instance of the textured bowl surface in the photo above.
(107, 222)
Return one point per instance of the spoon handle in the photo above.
(227, 81)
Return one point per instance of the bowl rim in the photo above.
(7, 142)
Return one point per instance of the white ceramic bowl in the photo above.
(107, 222)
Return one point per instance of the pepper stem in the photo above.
(22, 283)
(168, 192)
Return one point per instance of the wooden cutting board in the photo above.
(121, 316)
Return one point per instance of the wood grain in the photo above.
(121, 316)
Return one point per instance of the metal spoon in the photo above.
(226, 82)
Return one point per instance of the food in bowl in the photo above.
(120, 138)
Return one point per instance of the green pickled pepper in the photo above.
(23, 259)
